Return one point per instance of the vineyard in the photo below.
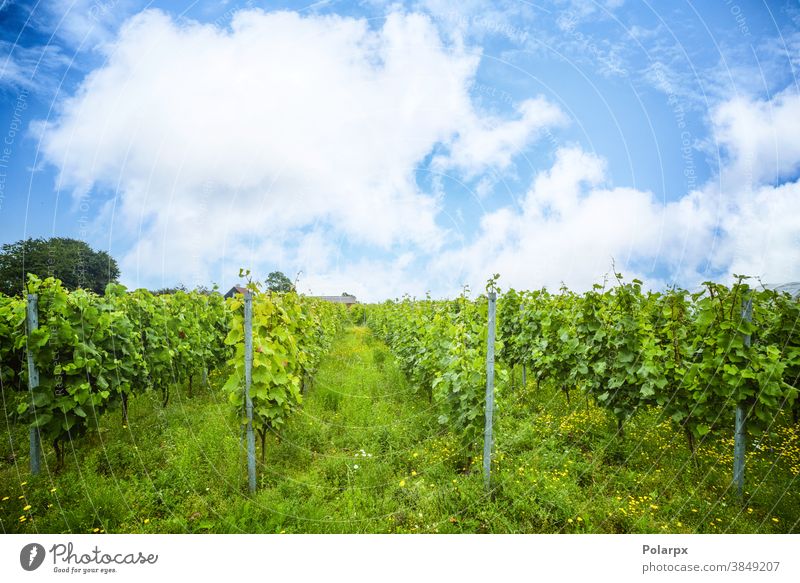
(698, 358)
(615, 410)
(88, 353)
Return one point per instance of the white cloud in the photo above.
(763, 236)
(73, 29)
(569, 230)
(84, 23)
(757, 192)
(215, 138)
(281, 140)
(369, 279)
(487, 141)
(570, 226)
(760, 137)
(481, 19)
(31, 68)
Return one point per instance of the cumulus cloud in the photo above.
(220, 141)
(763, 235)
(757, 191)
(759, 137)
(570, 228)
(489, 141)
(745, 220)
(292, 142)
(370, 279)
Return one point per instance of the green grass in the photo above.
(365, 454)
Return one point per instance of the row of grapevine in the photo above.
(697, 358)
(441, 346)
(93, 353)
(290, 335)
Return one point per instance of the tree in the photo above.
(278, 282)
(200, 289)
(170, 290)
(347, 295)
(74, 262)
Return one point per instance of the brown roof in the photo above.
(237, 289)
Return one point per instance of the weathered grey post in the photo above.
(33, 382)
(524, 375)
(487, 433)
(248, 379)
(740, 433)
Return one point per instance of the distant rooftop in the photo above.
(237, 289)
(338, 299)
(346, 300)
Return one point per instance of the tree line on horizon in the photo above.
(77, 265)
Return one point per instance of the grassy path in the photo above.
(339, 463)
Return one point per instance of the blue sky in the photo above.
(384, 148)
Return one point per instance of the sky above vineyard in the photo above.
(383, 148)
